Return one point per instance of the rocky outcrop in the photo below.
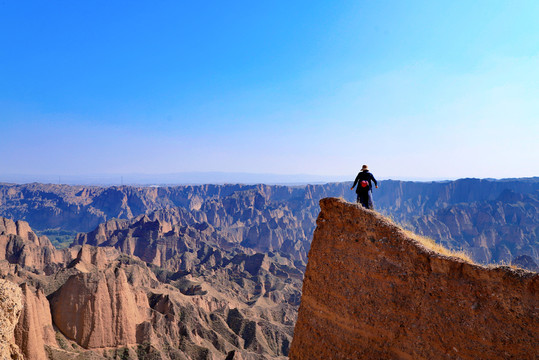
(11, 305)
(98, 309)
(34, 329)
(21, 229)
(20, 245)
(372, 292)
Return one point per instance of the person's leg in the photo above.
(370, 203)
(364, 199)
(358, 199)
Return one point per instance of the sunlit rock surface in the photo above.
(372, 292)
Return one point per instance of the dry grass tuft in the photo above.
(508, 264)
(431, 244)
(428, 242)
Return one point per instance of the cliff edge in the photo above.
(372, 292)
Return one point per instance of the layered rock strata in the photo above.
(372, 292)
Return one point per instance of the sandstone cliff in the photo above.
(11, 305)
(372, 292)
(98, 309)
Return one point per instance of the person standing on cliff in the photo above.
(364, 187)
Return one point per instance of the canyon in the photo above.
(495, 221)
(197, 299)
(213, 271)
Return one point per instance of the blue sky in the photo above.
(415, 89)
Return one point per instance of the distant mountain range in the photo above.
(494, 220)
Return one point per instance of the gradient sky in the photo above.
(422, 89)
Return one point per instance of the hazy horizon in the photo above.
(199, 178)
(417, 89)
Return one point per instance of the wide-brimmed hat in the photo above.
(364, 167)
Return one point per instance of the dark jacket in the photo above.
(364, 175)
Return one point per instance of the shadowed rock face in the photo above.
(526, 262)
(489, 231)
(371, 292)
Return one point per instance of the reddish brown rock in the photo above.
(34, 328)
(23, 230)
(90, 258)
(20, 245)
(97, 309)
(372, 292)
